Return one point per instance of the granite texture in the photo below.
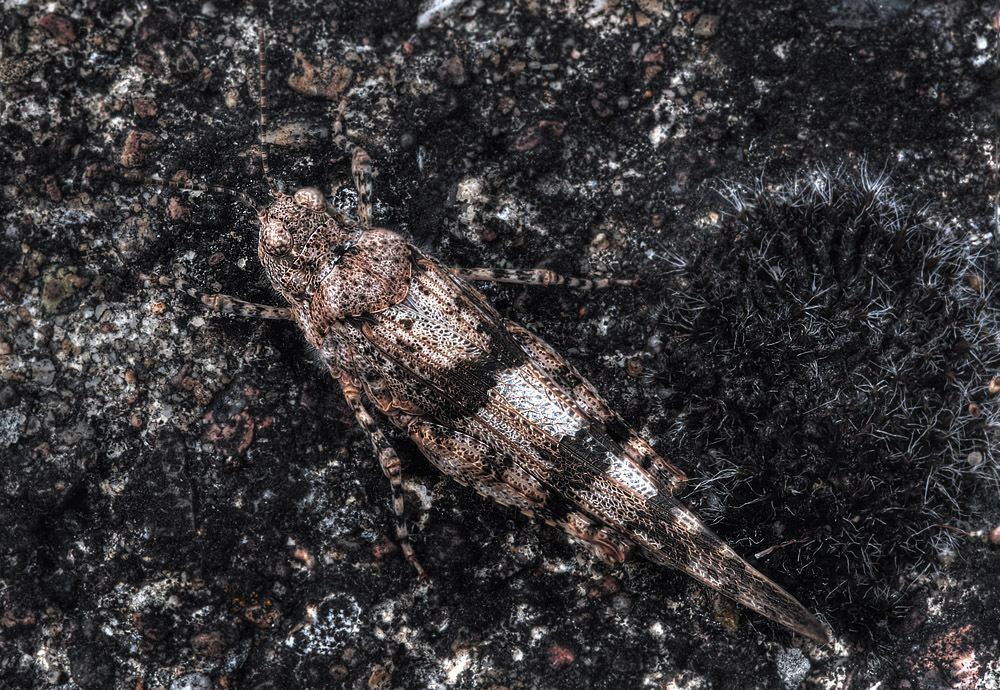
(185, 500)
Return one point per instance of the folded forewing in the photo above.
(496, 409)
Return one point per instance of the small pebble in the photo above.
(43, 372)
(138, 144)
(192, 681)
(59, 27)
(320, 81)
(708, 25)
(209, 644)
(453, 70)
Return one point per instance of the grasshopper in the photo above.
(487, 402)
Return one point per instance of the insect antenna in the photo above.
(262, 112)
(240, 196)
(153, 180)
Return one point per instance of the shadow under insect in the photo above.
(837, 345)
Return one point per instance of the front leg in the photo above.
(361, 169)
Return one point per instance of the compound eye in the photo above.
(310, 198)
(275, 238)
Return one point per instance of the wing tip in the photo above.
(813, 629)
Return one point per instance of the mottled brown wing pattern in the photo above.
(589, 401)
(469, 390)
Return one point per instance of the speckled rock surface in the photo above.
(185, 501)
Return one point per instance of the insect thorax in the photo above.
(327, 266)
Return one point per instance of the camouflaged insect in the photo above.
(486, 401)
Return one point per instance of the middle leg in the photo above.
(538, 276)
